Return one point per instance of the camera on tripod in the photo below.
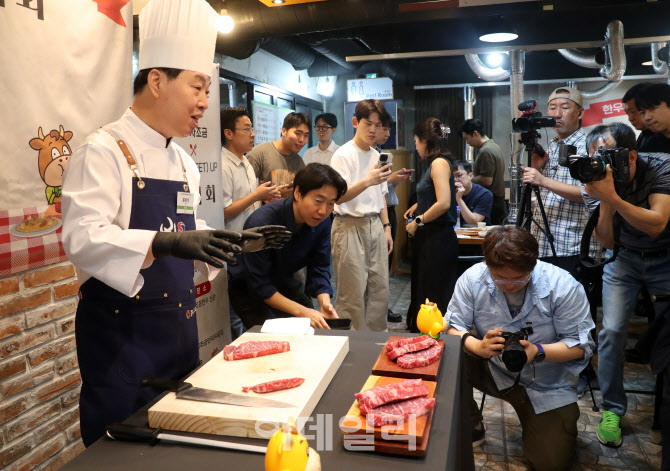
(514, 355)
(587, 169)
(531, 119)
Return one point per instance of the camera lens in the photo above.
(587, 169)
(514, 357)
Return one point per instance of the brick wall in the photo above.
(39, 375)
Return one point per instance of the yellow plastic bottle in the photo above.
(429, 320)
(288, 450)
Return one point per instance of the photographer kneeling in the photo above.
(509, 297)
(642, 200)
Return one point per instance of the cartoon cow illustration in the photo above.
(54, 152)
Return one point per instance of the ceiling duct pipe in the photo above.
(470, 100)
(615, 60)
(518, 67)
(615, 55)
(483, 72)
(294, 52)
(660, 67)
(582, 59)
(609, 86)
(253, 20)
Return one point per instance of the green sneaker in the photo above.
(609, 429)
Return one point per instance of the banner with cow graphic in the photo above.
(66, 71)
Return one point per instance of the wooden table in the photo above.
(450, 446)
(470, 240)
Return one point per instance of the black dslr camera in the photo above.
(587, 169)
(514, 356)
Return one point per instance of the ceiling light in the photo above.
(493, 60)
(278, 2)
(497, 29)
(649, 63)
(498, 37)
(325, 86)
(225, 24)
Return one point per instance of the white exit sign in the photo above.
(373, 88)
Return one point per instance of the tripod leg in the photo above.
(548, 234)
(525, 213)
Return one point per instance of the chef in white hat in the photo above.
(129, 200)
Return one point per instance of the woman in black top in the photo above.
(434, 243)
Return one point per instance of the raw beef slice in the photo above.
(422, 358)
(399, 343)
(276, 385)
(427, 342)
(400, 411)
(380, 395)
(254, 349)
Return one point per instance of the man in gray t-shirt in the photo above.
(489, 167)
(278, 161)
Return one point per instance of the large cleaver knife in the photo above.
(185, 390)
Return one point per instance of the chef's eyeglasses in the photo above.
(323, 128)
(499, 282)
(247, 130)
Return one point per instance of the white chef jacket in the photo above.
(97, 201)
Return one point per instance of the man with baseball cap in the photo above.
(129, 205)
(561, 194)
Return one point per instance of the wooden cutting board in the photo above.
(386, 367)
(410, 439)
(316, 359)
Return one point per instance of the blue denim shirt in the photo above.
(555, 306)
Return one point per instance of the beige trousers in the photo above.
(360, 265)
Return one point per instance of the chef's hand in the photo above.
(264, 237)
(204, 245)
(316, 320)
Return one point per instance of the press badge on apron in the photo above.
(185, 203)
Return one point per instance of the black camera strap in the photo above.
(586, 259)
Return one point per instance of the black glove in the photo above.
(271, 237)
(203, 245)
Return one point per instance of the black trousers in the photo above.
(434, 268)
(499, 211)
(253, 310)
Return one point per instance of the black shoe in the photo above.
(393, 317)
(478, 434)
(633, 355)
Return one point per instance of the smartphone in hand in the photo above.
(384, 159)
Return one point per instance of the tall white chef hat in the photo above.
(179, 34)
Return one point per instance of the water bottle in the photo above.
(458, 217)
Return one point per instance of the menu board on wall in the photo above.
(268, 120)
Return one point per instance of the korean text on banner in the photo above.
(204, 147)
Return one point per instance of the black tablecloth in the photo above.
(449, 447)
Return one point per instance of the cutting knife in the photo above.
(148, 435)
(185, 390)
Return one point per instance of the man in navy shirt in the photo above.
(474, 200)
(262, 285)
(644, 209)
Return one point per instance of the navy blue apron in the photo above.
(122, 339)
